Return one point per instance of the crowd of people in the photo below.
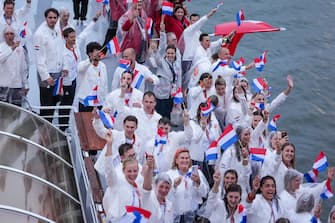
(171, 76)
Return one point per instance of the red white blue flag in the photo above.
(58, 88)
(205, 111)
(328, 191)
(242, 212)
(92, 98)
(149, 27)
(273, 123)
(258, 105)
(125, 64)
(161, 137)
(167, 8)
(137, 79)
(23, 31)
(239, 17)
(237, 65)
(113, 46)
(320, 164)
(257, 154)
(107, 119)
(135, 215)
(260, 62)
(259, 84)
(227, 138)
(212, 152)
(178, 96)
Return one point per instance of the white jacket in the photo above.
(90, 77)
(195, 97)
(142, 70)
(48, 46)
(70, 63)
(187, 196)
(13, 67)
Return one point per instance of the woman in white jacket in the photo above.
(228, 209)
(303, 210)
(189, 187)
(265, 207)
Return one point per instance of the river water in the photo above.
(305, 50)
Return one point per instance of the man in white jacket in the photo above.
(48, 46)
(13, 69)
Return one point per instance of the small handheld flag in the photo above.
(258, 154)
(113, 46)
(125, 64)
(161, 138)
(107, 119)
(273, 123)
(178, 96)
(242, 212)
(212, 152)
(227, 138)
(149, 27)
(237, 65)
(167, 8)
(259, 84)
(135, 215)
(260, 62)
(239, 17)
(92, 98)
(23, 32)
(205, 111)
(58, 88)
(320, 164)
(259, 106)
(311, 176)
(137, 79)
(328, 191)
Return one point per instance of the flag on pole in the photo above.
(328, 191)
(205, 111)
(259, 84)
(167, 8)
(58, 88)
(212, 152)
(273, 123)
(242, 213)
(137, 79)
(227, 138)
(149, 27)
(258, 154)
(161, 137)
(178, 96)
(237, 65)
(107, 119)
(113, 46)
(260, 62)
(239, 17)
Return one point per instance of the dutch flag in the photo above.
(149, 26)
(237, 65)
(125, 64)
(135, 215)
(273, 123)
(161, 138)
(239, 17)
(205, 111)
(178, 96)
(328, 191)
(260, 62)
(23, 32)
(221, 63)
(113, 46)
(320, 162)
(227, 138)
(58, 88)
(242, 212)
(311, 176)
(137, 79)
(107, 119)
(167, 8)
(259, 84)
(257, 154)
(212, 152)
(258, 106)
(92, 99)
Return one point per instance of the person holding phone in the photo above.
(188, 187)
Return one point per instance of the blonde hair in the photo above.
(180, 150)
(128, 161)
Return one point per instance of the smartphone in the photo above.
(195, 169)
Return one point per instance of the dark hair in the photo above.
(214, 100)
(127, 72)
(202, 105)
(289, 144)
(194, 15)
(231, 188)
(46, 12)
(220, 81)
(244, 93)
(170, 46)
(164, 121)
(204, 76)
(8, 2)
(90, 47)
(67, 31)
(149, 94)
(283, 220)
(202, 35)
(123, 148)
(130, 118)
(265, 178)
(179, 7)
(229, 171)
